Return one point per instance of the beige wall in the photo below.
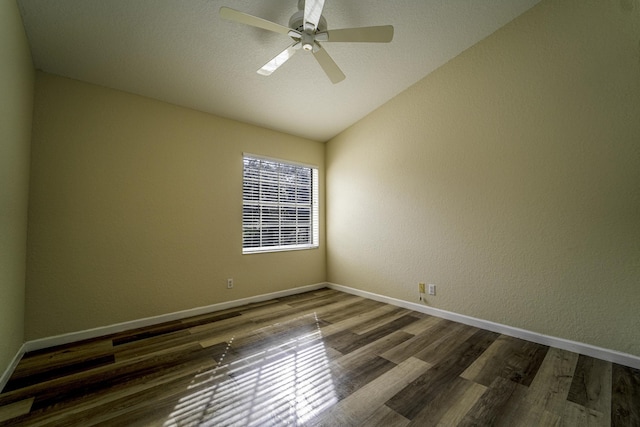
(135, 209)
(510, 178)
(16, 104)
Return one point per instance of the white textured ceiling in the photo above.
(180, 51)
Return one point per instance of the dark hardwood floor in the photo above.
(322, 358)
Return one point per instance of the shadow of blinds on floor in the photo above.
(287, 384)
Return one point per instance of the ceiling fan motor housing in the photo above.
(296, 22)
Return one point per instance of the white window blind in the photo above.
(279, 205)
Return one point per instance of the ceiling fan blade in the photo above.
(380, 34)
(332, 70)
(312, 13)
(244, 18)
(280, 59)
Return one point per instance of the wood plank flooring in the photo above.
(322, 358)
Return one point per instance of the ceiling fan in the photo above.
(307, 27)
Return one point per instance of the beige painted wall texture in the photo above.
(135, 209)
(16, 105)
(510, 178)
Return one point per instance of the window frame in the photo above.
(270, 200)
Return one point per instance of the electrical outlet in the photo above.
(229, 283)
(421, 287)
(432, 289)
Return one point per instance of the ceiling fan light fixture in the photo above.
(308, 47)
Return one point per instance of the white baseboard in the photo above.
(561, 343)
(4, 379)
(149, 321)
(564, 344)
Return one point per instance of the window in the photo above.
(279, 205)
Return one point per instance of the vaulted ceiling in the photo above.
(183, 53)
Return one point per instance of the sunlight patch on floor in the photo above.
(286, 384)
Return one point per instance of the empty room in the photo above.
(320, 213)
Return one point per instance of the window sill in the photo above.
(249, 251)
